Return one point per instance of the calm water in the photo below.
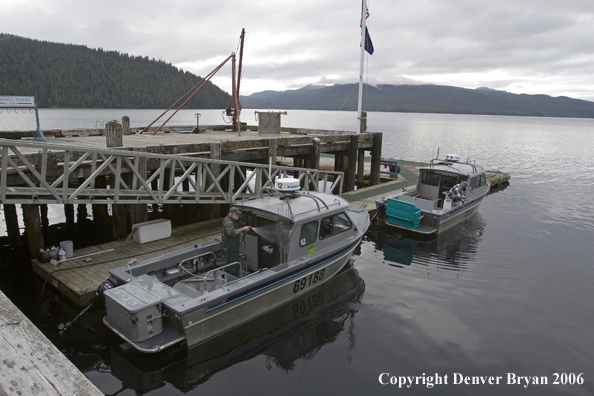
(508, 291)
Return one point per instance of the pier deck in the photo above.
(30, 364)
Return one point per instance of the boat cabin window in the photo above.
(308, 233)
(483, 180)
(333, 225)
(474, 182)
(431, 179)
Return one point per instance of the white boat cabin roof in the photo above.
(462, 168)
(298, 206)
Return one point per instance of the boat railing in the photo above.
(194, 260)
(217, 269)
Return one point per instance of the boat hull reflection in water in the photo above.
(294, 330)
(449, 250)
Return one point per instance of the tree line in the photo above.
(75, 76)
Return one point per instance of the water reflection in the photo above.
(297, 330)
(449, 250)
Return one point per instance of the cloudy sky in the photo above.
(520, 46)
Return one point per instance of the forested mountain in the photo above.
(71, 76)
(420, 99)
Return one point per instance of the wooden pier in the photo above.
(30, 364)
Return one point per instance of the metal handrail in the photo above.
(217, 269)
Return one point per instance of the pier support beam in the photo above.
(33, 228)
(352, 156)
(361, 168)
(100, 210)
(376, 156)
(12, 224)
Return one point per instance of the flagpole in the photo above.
(363, 30)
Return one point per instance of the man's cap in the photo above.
(234, 210)
(465, 183)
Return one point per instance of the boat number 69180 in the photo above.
(308, 280)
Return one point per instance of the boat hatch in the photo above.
(403, 214)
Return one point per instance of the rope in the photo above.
(332, 119)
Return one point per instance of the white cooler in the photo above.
(152, 230)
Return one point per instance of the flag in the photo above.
(366, 17)
(368, 43)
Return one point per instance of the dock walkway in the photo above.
(30, 364)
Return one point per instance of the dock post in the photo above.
(69, 214)
(99, 210)
(363, 121)
(350, 174)
(12, 224)
(114, 134)
(360, 168)
(315, 154)
(376, 156)
(125, 125)
(33, 228)
(272, 150)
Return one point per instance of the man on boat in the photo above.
(231, 231)
(456, 193)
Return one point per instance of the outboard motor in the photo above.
(98, 298)
(380, 209)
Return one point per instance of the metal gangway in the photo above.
(46, 173)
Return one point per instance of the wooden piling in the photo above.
(360, 168)
(352, 164)
(12, 224)
(33, 228)
(114, 134)
(126, 125)
(376, 154)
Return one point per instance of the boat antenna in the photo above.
(468, 156)
(437, 157)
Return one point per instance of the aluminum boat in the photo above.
(424, 208)
(299, 240)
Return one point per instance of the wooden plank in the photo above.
(78, 280)
(30, 364)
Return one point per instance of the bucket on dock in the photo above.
(68, 248)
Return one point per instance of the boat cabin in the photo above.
(436, 180)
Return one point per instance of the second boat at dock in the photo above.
(424, 209)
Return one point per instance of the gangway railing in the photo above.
(62, 174)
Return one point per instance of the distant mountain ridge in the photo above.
(74, 76)
(420, 99)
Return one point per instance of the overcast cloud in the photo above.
(520, 46)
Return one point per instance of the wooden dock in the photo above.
(30, 364)
(79, 277)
